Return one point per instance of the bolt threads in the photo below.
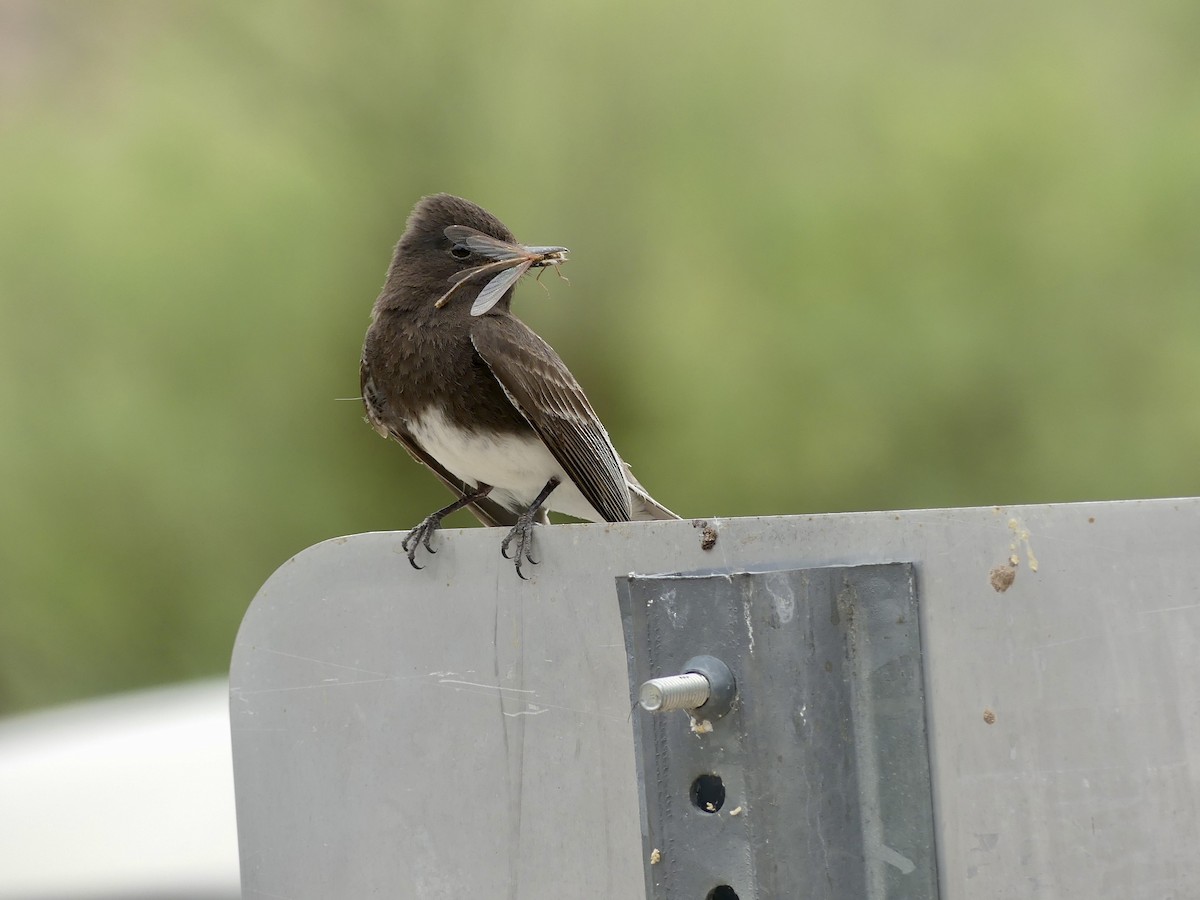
(674, 692)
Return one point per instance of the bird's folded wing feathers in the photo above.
(547, 395)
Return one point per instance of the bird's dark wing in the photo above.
(487, 511)
(547, 395)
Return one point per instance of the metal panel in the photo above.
(816, 784)
(457, 733)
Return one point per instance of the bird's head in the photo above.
(452, 246)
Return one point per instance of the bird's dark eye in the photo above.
(458, 251)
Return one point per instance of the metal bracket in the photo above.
(816, 782)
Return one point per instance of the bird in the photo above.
(473, 393)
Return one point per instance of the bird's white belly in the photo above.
(517, 467)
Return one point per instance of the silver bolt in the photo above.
(674, 692)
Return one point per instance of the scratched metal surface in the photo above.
(457, 733)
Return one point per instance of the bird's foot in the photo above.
(522, 537)
(420, 536)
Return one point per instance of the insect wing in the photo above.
(483, 244)
(467, 274)
(459, 278)
(495, 288)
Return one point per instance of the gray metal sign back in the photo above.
(457, 733)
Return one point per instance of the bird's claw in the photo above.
(420, 537)
(522, 533)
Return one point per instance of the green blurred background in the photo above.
(825, 256)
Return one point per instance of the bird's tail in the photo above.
(643, 506)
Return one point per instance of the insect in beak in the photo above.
(509, 263)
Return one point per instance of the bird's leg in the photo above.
(522, 532)
(422, 533)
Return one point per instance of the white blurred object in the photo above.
(127, 796)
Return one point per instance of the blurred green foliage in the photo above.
(826, 256)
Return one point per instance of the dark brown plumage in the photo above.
(480, 398)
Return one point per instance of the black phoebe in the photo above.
(473, 393)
